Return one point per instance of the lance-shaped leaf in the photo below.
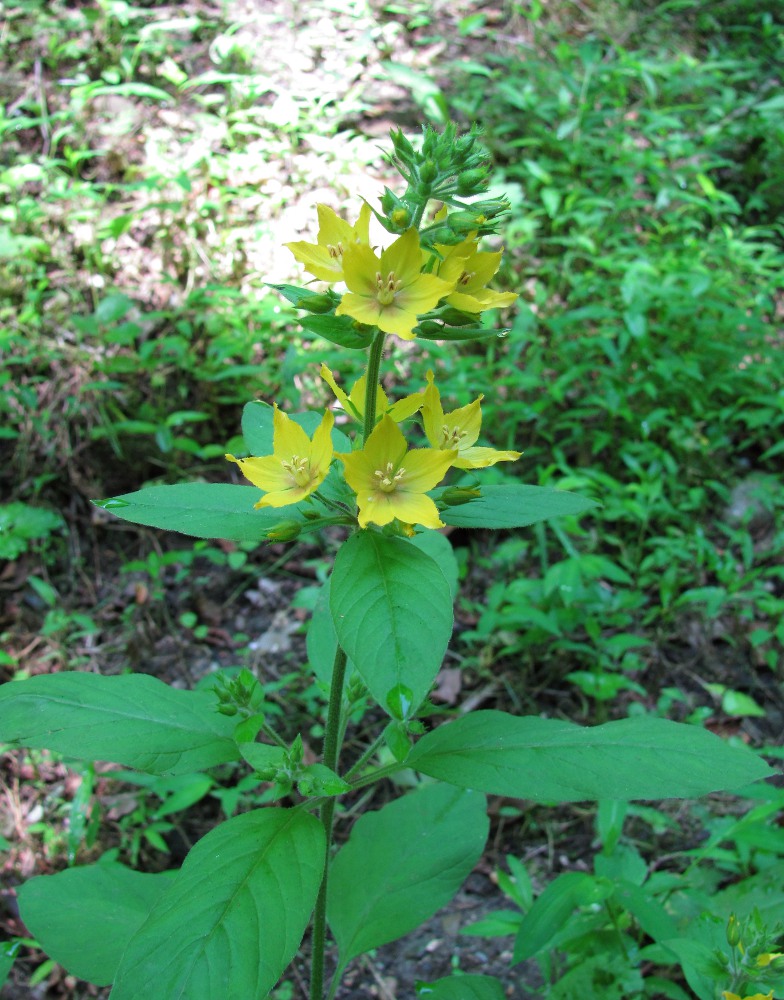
(84, 917)
(202, 510)
(462, 988)
(322, 640)
(513, 506)
(401, 864)
(553, 761)
(133, 719)
(235, 914)
(392, 610)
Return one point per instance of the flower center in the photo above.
(335, 250)
(388, 479)
(299, 470)
(386, 288)
(451, 437)
(466, 277)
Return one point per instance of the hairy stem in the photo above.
(373, 369)
(330, 758)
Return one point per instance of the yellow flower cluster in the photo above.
(389, 479)
(391, 290)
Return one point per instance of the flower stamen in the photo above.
(466, 277)
(388, 479)
(299, 470)
(335, 250)
(451, 437)
(387, 288)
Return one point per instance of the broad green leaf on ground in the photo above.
(440, 550)
(392, 610)
(322, 640)
(553, 908)
(202, 510)
(133, 719)
(514, 506)
(84, 917)
(553, 761)
(235, 914)
(401, 864)
(462, 988)
(257, 428)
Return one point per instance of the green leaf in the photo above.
(203, 510)
(552, 909)
(258, 431)
(83, 918)
(440, 550)
(322, 640)
(514, 506)
(392, 611)
(462, 988)
(133, 719)
(340, 330)
(548, 760)
(234, 917)
(437, 331)
(302, 298)
(401, 864)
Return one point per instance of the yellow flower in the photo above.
(297, 465)
(354, 402)
(459, 430)
(767, 957)
(757, 996)
(324, 259)
(390, 292)
(392, 482)
(471, 269)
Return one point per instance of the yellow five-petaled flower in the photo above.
(324, 259)
(391, 482)
(459, 430)
(297, 466)
(390, 292)
(471, 269)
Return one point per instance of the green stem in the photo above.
(377, 775)
(373, 370)
(364, 758)
(330, 758)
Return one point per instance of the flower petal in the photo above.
(482, 458)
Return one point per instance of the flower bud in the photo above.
(472, 181)
(454, 496)
(733, 931)
(428, 171)
(402, 146)
(400, 218)
(318, 303)
(284, 531)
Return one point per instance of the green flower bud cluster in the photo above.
(448, 168)
(241, 695)
(286, 768)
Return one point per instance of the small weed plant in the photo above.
(226, 925)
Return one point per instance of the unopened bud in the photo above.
(472, 181)
(285, 531)
(455, 496)
(318, 303)
(428, 171)
(733, 931)
(400, 218)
